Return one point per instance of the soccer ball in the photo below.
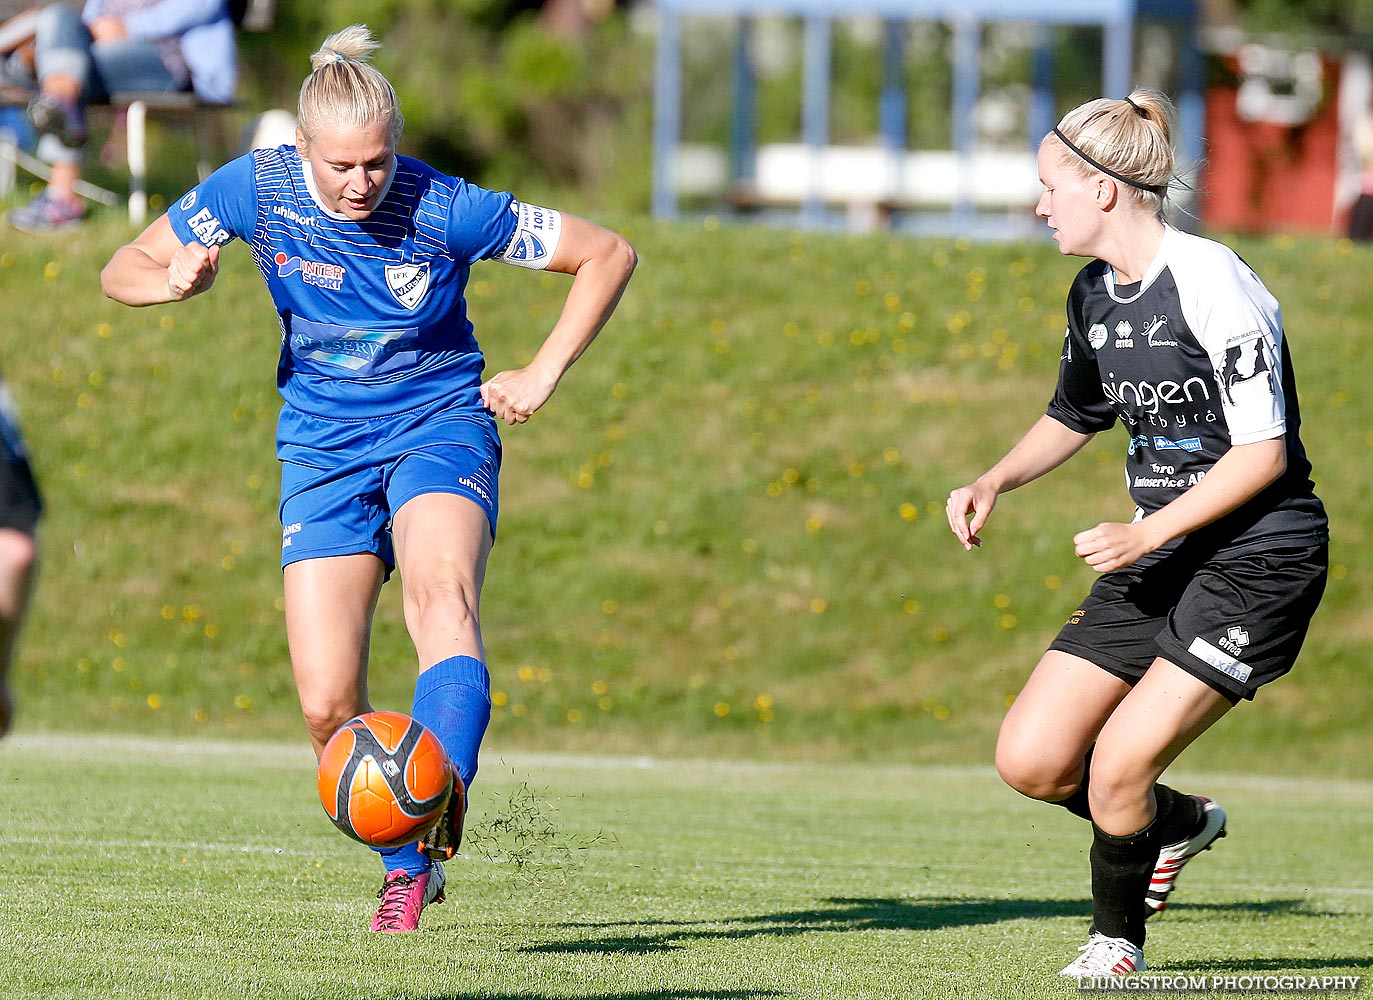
(384, 779)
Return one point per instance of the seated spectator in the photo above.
(114, 45)
(1361, 215)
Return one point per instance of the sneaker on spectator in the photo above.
(16, 84)
(51, 116)
(48, 214)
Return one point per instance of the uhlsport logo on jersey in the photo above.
(312, 272)
(408, 282)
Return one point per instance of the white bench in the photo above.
(184, 104)
(868, 181)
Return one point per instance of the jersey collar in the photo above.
(1155, 268)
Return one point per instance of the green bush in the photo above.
(490, 93)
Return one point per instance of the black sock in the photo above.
(1121, 869)
(1178, 816)
(1077, 802)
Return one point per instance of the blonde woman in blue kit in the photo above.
(388, 436)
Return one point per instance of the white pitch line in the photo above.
(105, 846)
(184, 849)
(493, 759)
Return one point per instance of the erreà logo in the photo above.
(408, 283)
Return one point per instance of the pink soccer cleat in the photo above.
(403, 898)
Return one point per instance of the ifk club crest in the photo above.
(408, 282)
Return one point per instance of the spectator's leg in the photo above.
(62, 64)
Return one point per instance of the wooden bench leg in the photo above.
(136, 138)
(9, 158)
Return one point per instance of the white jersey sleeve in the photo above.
(1239, 323)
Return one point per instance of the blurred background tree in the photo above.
(553, 98)
(513, 93)
(1305, 21)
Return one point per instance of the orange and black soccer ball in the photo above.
(384, 779)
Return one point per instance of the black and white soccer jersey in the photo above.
(1193, 361)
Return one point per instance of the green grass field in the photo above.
(721, 541)
(149, 869)
(724, 532)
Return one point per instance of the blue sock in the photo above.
(452, 698)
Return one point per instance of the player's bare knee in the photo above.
(1034, 778)
(1115, 787)
(324, 718)
(453, 602)
(18, 553)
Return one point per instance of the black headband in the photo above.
(1151, 188)
(1134, 105)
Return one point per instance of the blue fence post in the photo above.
(967, 44)
(815, 112)
(1041, 117)
(1117, 69)
(667, 114)
(742, 146)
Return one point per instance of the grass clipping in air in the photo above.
(525, 833)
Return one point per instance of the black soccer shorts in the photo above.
(1235, 621)
(20, 502)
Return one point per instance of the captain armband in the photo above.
(537, 231)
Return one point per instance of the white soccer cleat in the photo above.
(1172, 857)
(1105, 956)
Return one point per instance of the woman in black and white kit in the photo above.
(1206, 594)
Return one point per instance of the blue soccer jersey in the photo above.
(373, 318)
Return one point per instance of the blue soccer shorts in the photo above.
(342, 480)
